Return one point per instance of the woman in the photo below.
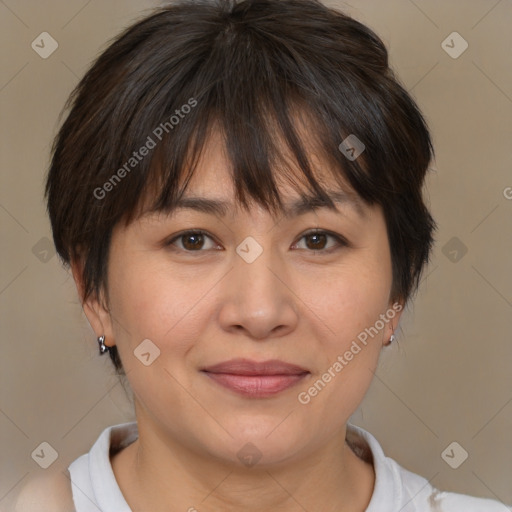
(238, 191)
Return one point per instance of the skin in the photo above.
(208, 305)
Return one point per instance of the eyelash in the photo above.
(341, 241)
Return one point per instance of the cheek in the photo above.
(352, 301)
(153, 301)
(347, 357)
(149, 302)
(350, 332)
(354, 343)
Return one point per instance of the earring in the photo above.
(392, 337)
(103, 347)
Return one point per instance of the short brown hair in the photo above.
(247, 66)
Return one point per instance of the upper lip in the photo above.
(240, 366)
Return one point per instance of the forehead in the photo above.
(208, 184)
(211, 187)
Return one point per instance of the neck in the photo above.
(156, 471)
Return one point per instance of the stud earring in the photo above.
(102, 346)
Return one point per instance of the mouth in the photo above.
(254, 379)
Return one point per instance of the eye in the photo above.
(316, 241)
(194, 241)
(190, 241)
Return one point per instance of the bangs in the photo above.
(281, 146)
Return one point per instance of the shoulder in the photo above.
(400, 489)
(48, 493)
(452, 501)
(428, 498)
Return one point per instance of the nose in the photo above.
(257, 298)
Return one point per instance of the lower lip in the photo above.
(256, 386)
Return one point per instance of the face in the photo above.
(253, 287)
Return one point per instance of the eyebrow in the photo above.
(298, 207)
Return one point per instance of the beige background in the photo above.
(448, 378)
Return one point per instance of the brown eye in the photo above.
(317, 241)
(191, 241)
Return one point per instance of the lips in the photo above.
(251, 368)
(254, 379)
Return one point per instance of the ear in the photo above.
(95, 308)
(393, 313)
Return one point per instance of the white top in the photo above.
(396, 489)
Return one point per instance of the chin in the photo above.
(265, 442)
